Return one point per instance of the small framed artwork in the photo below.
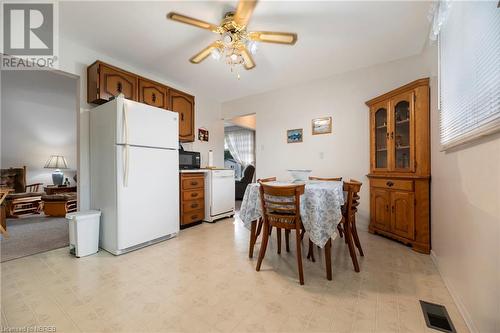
(294, 135)
(322, 125)
(203, 134)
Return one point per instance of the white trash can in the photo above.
(84, 232)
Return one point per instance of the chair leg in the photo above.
(299, 256)
(302, 232)
(310, 252)
(253, 236)
(259, 229)
(328, 259)
(278, 237)
(350, 244)
(356, 238)
(263, 246)
(341, 231)
(287, 240)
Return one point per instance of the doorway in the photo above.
(240, 152)
(38, 161)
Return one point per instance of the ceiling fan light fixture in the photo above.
(216, 54)
(252, 46)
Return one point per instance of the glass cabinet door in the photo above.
(380, 123)
(402, 132)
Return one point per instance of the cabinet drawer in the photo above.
(192, 183)
(192, 195)
(405, 185)
(194, 216)
(191, 205)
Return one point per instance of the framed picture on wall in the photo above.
(203, 134)
(322, 125)
(294, 135)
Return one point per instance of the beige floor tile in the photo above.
(203, 281)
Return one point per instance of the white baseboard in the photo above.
(456, 297)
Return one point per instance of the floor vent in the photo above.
(437, 317)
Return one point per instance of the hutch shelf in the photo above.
(400, 165)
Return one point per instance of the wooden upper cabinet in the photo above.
(379, 119)
(153, 93)
(184, 105)
(105, 82)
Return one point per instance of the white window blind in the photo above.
(469, 51)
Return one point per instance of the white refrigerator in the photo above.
(134, 171)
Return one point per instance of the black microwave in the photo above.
(189, 159)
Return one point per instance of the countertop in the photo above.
(202, 170)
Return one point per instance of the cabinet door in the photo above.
(379, 201)
(152, 93)
(402, 214)
(113, 81)
(379, 137)
(184, 105)
(402, 134)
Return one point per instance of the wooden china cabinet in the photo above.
(400, 165)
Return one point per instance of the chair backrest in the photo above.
(266, 180)
(248, 174)
(14, 178)
(281, 205)
(352, 187)
(337, 179)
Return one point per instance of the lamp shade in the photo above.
(56, 162)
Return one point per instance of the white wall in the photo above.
(345, 152)
(38, 120)
(465, 201)
(75, 58)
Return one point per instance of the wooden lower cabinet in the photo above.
(401, 214)
(192, 198)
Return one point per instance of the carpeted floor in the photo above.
(33, 234)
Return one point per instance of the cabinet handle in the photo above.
(194, 205)
(182, 116)
(194, 194)
(393, 208)
(392, 135)
(153, 97)
(386, 208)
(390, 184)
(194, 183)
(194, 217)
(119, 87)
(387, 135)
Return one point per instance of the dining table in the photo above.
(320, 207)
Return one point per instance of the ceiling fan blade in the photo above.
(247, 57)
(203, 54)
(273, 37)
(192, 21)
(244, 12)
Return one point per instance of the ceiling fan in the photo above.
(236, 44)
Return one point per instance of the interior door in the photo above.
(380, 201)
(147, 194)
(222, 192)
(402, 132)
(402, 209)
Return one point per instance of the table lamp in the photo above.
(57, 162)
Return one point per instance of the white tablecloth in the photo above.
(320, 208)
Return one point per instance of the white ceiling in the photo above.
(333, 37)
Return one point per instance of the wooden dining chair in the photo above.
(348, 222)
(281, 209)
(256, 226)
(335, 179)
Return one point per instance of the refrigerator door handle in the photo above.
(126, 145)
